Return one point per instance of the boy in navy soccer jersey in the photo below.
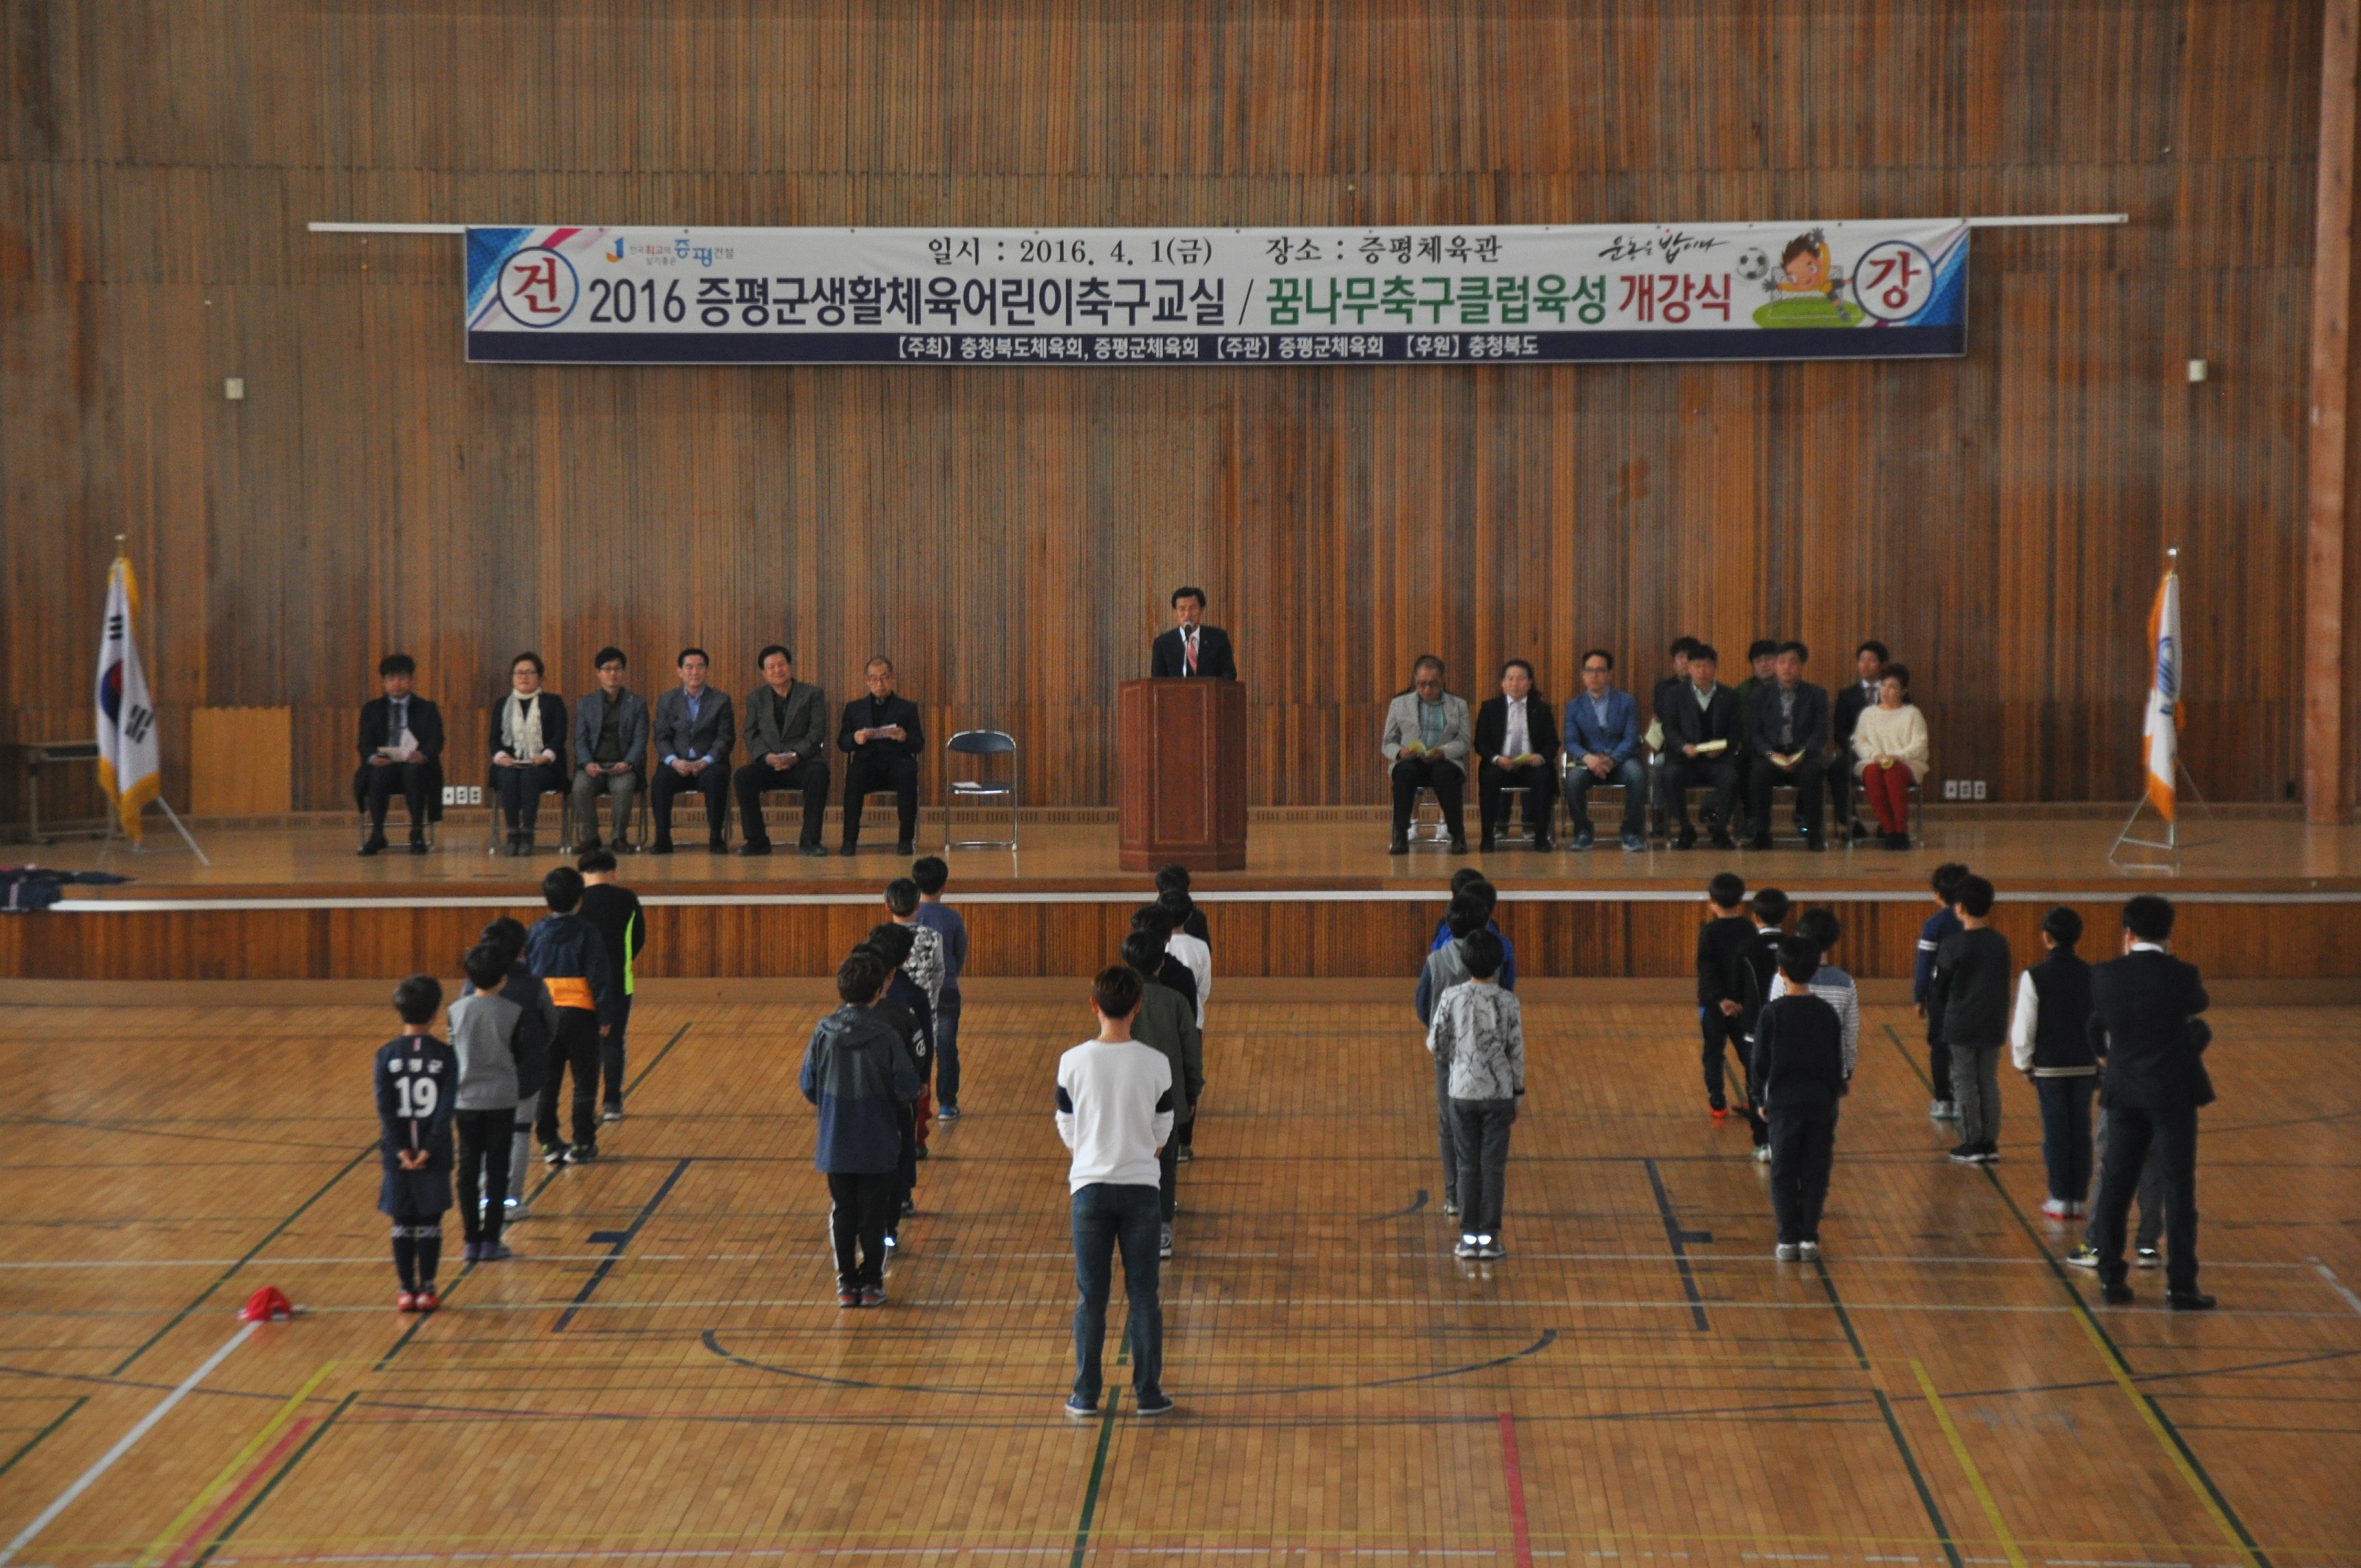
(1946, 884)
(416, 1077)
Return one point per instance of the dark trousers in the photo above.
(713, 783)
(576, 1050)
(1721, 1032)
(520, 790)
(946, 1015)
(2066, 1135)
(1492, 805)
(1481, 1128)
(610, 1059)
(2149, 1193)
(1809, 776)
(860, 1206)
(811, 777)
(896, 772)
(1105, 1217)
(1938, 1067)
(1444, 777)
(1446, 1126)
(484, 1138)
(1630, 773)
(1716, 775)
(408, 780)
(1803, 1152)
(1167, 1176)
(2131, 1129)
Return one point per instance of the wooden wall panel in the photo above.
(1384, 943)
(1009, 535)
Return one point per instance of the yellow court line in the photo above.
(2205, 1494)
(163, 1543)
(1967, 1463)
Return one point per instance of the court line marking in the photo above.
(34, 1441)
(170, 1535)
(123, 1445)
(1677, 1238)
(1520, 1534)
(1967, 1463)
(309, 1442)
(1098, 1475)
(623, 1240)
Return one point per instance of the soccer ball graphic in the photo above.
(1753, 264)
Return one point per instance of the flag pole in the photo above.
(115, 825)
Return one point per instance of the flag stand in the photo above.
(2170, 843)
(114, 831)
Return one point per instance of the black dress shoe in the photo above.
(2115, 1295)
(1722, 841)
(373, 845)
(1542, 844)
(1760, 841)
(750, 849)
(1815, 843)
(850, 850)
(1860, 831)
(1459, 845)
(661, 847)
(905, 847)
(1400, 846)
(1485, 846)
(2188, 1302)
(1686, 838)
(417, 846)
(813, 851)
(716, 845)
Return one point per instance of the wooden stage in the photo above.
(2267, 900)
(662, 1376)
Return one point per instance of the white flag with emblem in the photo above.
(126, 719)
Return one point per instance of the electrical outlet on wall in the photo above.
(1950, 789)
(1980, 789)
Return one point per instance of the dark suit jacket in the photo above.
(899, 710)
(796, 722)
(1811, 720)
(2141, 1007)
(553, 733)
(1686, 725)
(1850, 702)
(1492, 727)
(425, 727)
(715, 733)
(1214, 659)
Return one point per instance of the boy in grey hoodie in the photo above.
(484, 1025)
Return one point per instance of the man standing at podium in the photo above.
(1191, 651)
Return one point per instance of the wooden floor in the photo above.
(2241, 853)
(662, 1376)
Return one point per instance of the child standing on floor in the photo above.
(567, 952)
(1480, 1030)
(1968, 1003)
(1799, 1074)
(853, 1073)
(414, 1075)
(1165, 1022)
(1942, 922)
(1467, 879)
(1446, 966)
(613, 911)
(1751, 977)
(536, 1031)
(1720, 942)
(922, 967)
(931, 874)
(1829, 983)
(2049, 1043)
(484, 1026)
(1175, 879)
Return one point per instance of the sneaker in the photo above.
(846, 1296)
(2115, 1295)
(948, 1113)
(582, 1154)
(1466, 1247)
(1634, 843)
(1078, 1407)
(2083, 1256)
(2148, 1258)
(1763, 1153)
(1450, 1208)
(1808, 1250)
(1719, 1113)
(406, 1302)
(498, 1251)
(611, 1113)
(1988, 1154)
(473, 1252)
(891, 1243)
(2188, 1302)
(1156, 1402)
(552, 1154)
(1185, 1155)
(428, 1298)
(1786, 1252)
(1944, 1110)
(908, 1208)
(873, 1295)
(1164, 1242)
(2057, 1210)
(1583, 838)
(519, 1211)
(2078, 1211)
(1966, 1154)
(1490, 1249)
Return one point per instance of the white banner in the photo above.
(1546, 293)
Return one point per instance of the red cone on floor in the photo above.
(267, 1305)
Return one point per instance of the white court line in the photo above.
(2338, 1286)
(123, 1445)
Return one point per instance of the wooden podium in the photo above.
(1181, 774)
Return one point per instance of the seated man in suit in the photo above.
(1869, 663)
(610, 748)
(401, 754)
(2144, 1030)
(1516, 748)
(1191, 649)
(1426, 744)
(693, 736)
(1672, 684)
(1602, 744)
(880, 730)
(1787, 744)
(1702, 739)
(528, 747)
(786, 748)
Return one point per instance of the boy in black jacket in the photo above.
(416, 1078)
(1968, 1003)
(614, 911)
(568, 954)
(1798, 1076)
(1945, 883)
(2048, 1043)
(1751, 972)
(1719, 942)
(904, 1008)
